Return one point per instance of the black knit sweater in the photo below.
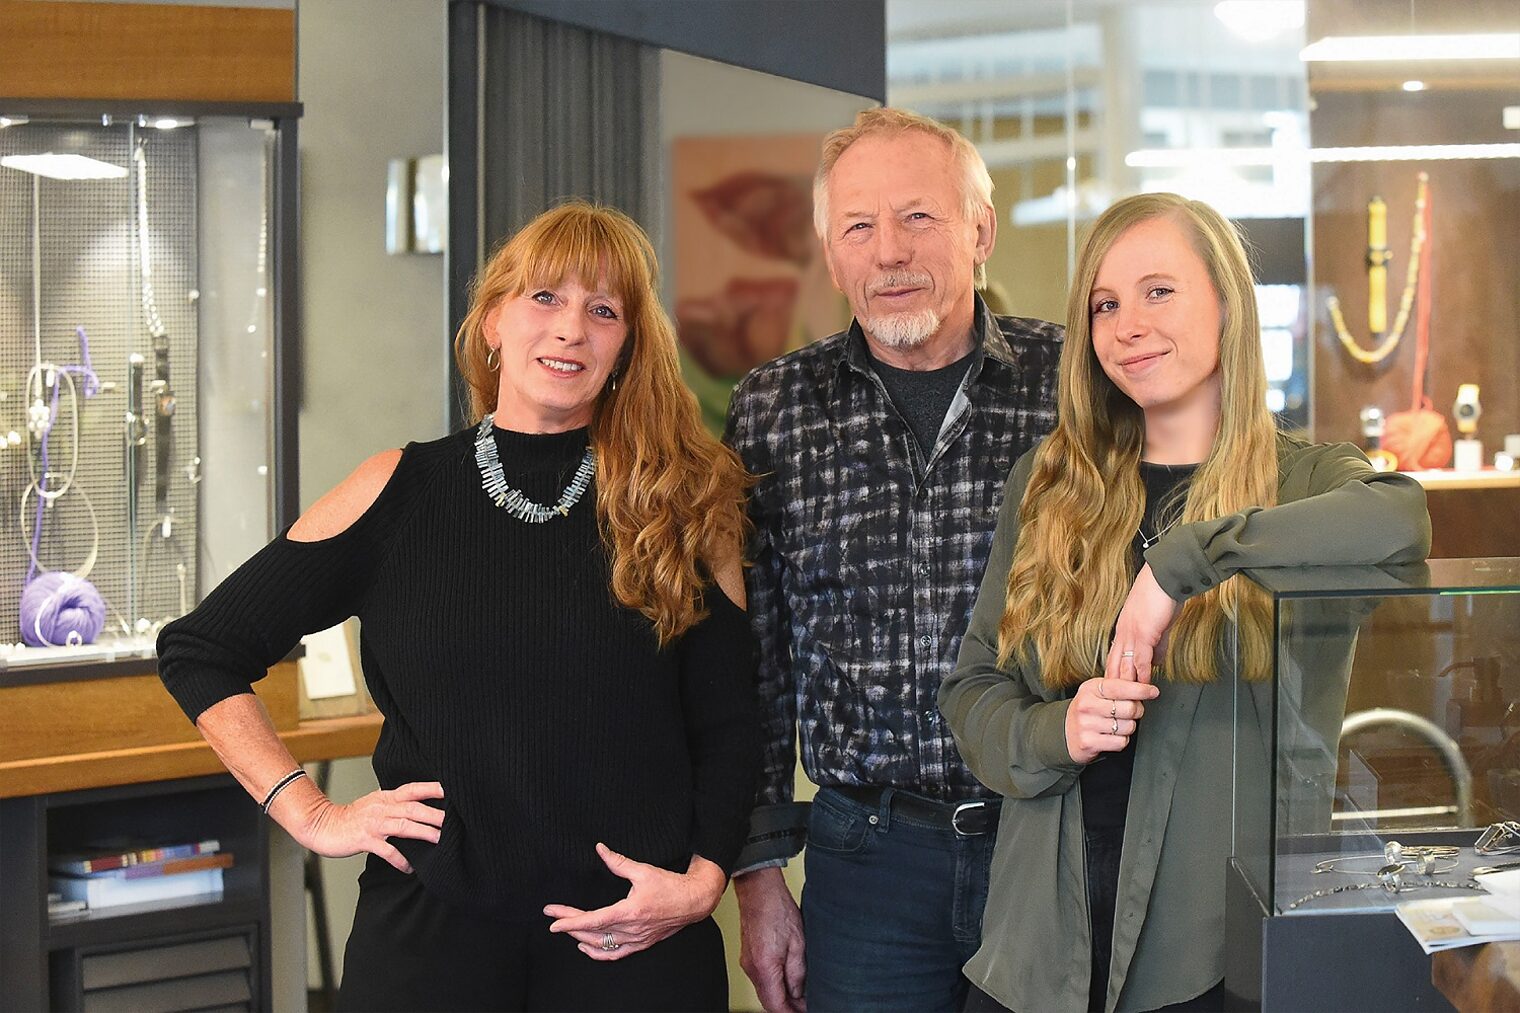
(507, 671)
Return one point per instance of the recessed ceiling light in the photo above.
(1414, 86)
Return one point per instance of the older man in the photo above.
(882, 452)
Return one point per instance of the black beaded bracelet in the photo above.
(281, 785)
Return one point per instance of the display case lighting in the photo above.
(55, 166)
(12, 121)
(163, 122)
(1401, 48)
(1413, 86)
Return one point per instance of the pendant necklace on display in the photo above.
(512, 500)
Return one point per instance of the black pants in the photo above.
(410, 951)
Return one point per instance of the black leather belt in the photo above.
(968, 819)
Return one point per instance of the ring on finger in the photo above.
(608, 943)
(1116, 727)
(1127, 654)
(1100, 689)
(1113, 709)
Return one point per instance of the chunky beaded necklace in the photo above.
(512, 500)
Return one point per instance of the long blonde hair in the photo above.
(670, 497)
(1072, 569)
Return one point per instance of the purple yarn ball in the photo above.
(59, 608)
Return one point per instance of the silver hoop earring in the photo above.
(614, 383)
(492, 354)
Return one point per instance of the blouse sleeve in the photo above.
(1334, 510)
(718, 658)
(260, 612)
(1013, 740)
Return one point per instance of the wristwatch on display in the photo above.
(1372, 431)
(1467, 409)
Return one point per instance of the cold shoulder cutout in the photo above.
(343, 504)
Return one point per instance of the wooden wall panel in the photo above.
(81, 50)
(1475, 319)
(90, 715)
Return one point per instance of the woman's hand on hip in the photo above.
(659, 904)
(1103, 715)
(338, 831)
(1143, 621)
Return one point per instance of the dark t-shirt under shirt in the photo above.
(923, 398)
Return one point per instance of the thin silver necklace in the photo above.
(1146, 541)
(512, 500)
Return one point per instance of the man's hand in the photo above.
(771, 944)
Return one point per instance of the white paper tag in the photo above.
(328, 667)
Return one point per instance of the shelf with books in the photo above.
(43, 956)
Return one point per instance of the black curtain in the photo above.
(540, 111)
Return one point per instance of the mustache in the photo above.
(897, 279)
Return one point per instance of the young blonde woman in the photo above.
(554, 631)
(1092, 688)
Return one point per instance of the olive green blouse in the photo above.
(1168, 943)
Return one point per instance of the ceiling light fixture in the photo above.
(1260, 20)
(1177, 158)
(1403, 48)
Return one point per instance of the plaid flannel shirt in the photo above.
(865, 568)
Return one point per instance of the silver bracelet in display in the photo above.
(1390, 879)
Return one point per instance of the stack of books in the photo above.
(115, 875)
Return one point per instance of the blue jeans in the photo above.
(891, 908)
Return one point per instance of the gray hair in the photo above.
(885, 121)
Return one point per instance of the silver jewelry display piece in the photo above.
(1499, 838)
(1420, 858)
(608, 943)
(512, 500)
(1424, 864)
(1390, 879)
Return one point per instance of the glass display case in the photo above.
(1378, 762)
(146, 434)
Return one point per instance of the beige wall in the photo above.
(372, 79)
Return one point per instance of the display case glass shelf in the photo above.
(1384, 739)
(142, 409)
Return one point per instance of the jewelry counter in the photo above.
(147, 447)
(1376, 762)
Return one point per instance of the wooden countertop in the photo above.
(324, 739)
(1443, 479)
(1479, 978)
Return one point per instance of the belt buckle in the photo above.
(964, 807)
